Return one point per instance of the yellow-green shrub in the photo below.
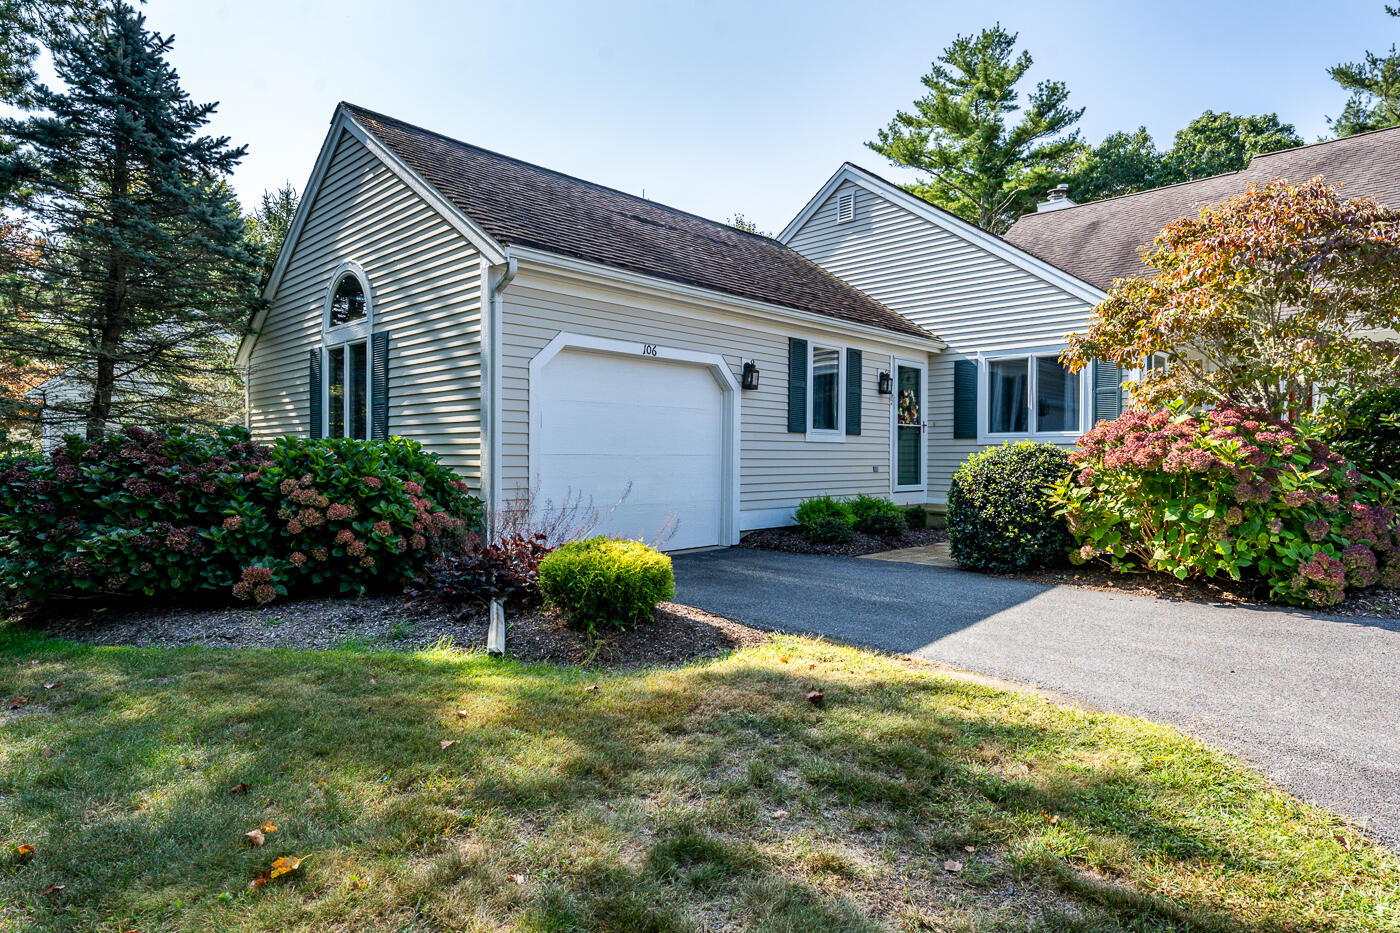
(602, 582)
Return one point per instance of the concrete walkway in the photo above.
(1313, 701)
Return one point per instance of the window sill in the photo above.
(825, 437)
(1044, 436)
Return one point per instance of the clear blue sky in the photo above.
(717, 107)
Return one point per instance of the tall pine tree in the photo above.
(1374, 83)
(143, 278)
(979, 167)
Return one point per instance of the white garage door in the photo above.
(605, 422)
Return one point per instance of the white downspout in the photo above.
(499, 278)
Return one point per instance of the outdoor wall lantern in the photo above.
(885, 382)
(749, 379)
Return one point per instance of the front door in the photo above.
(908, 441)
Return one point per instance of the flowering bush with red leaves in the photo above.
(1231, 492)
(145, 512)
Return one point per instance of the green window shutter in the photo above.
(314, 365)
(854, 380)
(1108, 391)
(965, 399)
(797, 385)
(379, 385)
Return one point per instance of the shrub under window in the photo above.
(1000, 516)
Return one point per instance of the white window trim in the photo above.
(984, 398)
(326, 349)
(835, 435)
(346, 333)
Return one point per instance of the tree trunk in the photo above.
(113, 305)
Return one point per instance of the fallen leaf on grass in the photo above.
(461, 714)
(355, 882)
(1344, 842)
(816, 697)
(969, 848)
(953, 866)
(238, 789)
(374, 680)
(285, 864)
(518, 879)
(53, 889)
(447, 743)
(255, 837)
(269, 827)
(17, 702)
(1052, 820)
(25, 849)
(51, 686)
(591, 687)
(779, 814)
(259, 881)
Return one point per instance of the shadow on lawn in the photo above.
(344, 752)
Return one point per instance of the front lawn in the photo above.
(714, 796)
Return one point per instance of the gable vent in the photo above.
(845, 207)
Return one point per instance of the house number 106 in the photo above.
(648, 349)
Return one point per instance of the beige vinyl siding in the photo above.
(777, 469)
(425, 281)
(976, 301)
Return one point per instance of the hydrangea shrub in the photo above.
(148, 513)
(1228, 492)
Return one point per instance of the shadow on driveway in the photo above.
(1309, 699)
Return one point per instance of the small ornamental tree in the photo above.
(1257, 301)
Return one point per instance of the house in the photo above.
(547, 334)
(554, 339)
(1004, 305)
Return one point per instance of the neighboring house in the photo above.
(1005, 305)
(541, 332)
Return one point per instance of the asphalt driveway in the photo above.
(1314, 702)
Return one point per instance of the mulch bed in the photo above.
(1372, 604)
(678, 634)
(791, 541)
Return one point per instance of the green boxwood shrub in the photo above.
(1366, 431)
(828, 529)
(885, 524)
(810, 510)
(871, 512)
(1230, 492)
(189, 513)
(1000, 514)
(916, 516)
(606, 583)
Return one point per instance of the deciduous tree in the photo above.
(978, 166)
(1215, 143)
(1258, 300)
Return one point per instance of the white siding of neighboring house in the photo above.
(971, 298)
(777, 469)
(426, 290)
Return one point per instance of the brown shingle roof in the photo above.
(1102, 240)
(516, 202)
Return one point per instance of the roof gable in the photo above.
(945, 220)
(515, 202)
(1103, 240)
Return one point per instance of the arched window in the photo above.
(348, 301)
(344, 389)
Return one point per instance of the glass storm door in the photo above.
(909, 425)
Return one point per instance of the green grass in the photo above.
(709, 797)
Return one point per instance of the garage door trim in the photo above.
(719, 369)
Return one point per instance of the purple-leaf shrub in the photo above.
(1230, 492)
